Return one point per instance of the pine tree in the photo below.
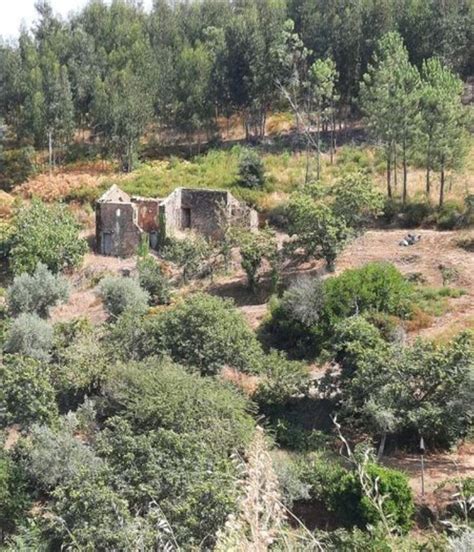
(442, 116)
(390, 100)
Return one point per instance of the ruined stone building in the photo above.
(122, 220)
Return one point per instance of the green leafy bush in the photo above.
(37, 293)
(26, 394)
(189, 254)
(449, 216)
(45, 234)
(340, 491)
(356, 200)
(16, 166)
(204, 332)
(398, 505)
(29, 335)
(122, 294)
(14, 499)
(415, 213)
(153, 280)
(303, 321)
(283, 380)
(251, 170)
(376, 286)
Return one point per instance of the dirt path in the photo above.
(438, 468)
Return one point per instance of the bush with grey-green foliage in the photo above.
(304, 300)
(29, 335)
(37, 293)
(54, 456)
(122, 295)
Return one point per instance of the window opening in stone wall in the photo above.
(185, 217)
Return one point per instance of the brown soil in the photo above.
(83, 301)
(439, 467)
(435, 249)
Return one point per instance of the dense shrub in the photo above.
(303, 320)
(340, 491)
(251, 170)
(153, 280)
(283, 380)
(37, 293)
(398, 505)
(157, 394)
(45, 234)
(92, 516)
(204, 332)
(375, 286)
(449, 216)
(356, 200)
(80, 361)
(26, 393)
(207, 333)
(29, 335)
(14, 499)
(190, 255)
(415, 213)
(168, 439)
(16, 166)
(122, 294)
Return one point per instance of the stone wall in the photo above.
(121, 221)
(117, 232)
(204, 208)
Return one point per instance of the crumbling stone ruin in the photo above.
(123, 220)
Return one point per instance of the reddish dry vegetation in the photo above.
(6, 205)
(58, 186)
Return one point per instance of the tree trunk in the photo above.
(428, 169)
(50, 150)
(441, 187)
(395, 166)
(405, 176)
(333, 136)
(382, 446)
(318, 153)
(389, 174)
(306, 177)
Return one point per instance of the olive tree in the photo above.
(37, 293)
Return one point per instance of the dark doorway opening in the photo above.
(185, 217)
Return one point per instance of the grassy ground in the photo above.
(218, 168)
